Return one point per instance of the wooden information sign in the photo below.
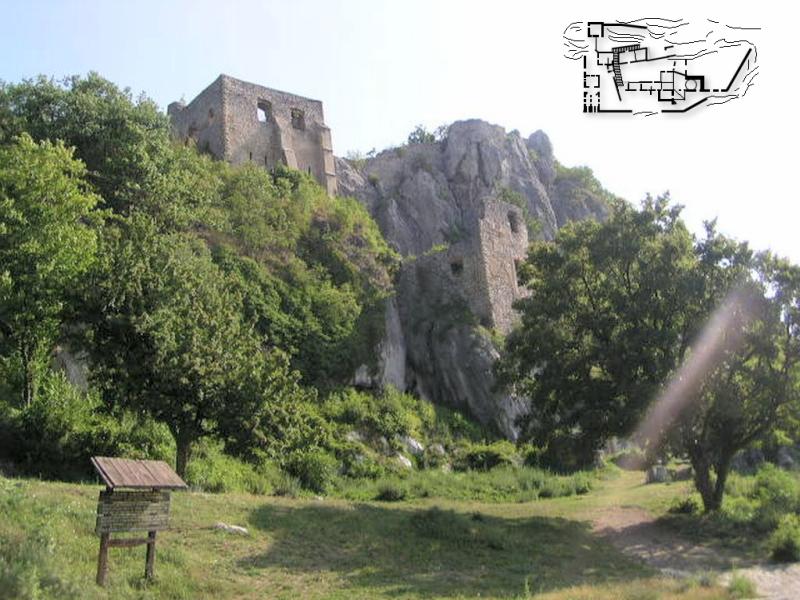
(143, 506)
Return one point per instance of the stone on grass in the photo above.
(231, 528)
(657, 474)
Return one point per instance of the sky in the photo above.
(382, 67)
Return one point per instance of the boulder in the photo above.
(235, 529)
(413, 446)
(657, 474)
(404, 461)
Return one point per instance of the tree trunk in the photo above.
(722, 468)
(702, 482)
(28, 386)
(183, 452)
(711, 492)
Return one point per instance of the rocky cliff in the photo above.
(459, 210)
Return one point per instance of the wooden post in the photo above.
(151, 555)
(102, 559)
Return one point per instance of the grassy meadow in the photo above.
(335, 548)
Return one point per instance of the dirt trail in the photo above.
(635, 532)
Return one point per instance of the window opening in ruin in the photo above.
(513, 221)
(210, 113)
(251, 156)
(457, 266)
(266, 164)
(298, 119)
(263, 111)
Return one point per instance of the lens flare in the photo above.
(722, 335)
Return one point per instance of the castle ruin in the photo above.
(479, 271)
(240, 122)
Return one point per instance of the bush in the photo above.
(484, 457)
(687, 506)
(777, 493)
(287, 486)
(391, 492)
(56, 435)
(214, 471)
(315, 469)
(785, 540)
(741, 587)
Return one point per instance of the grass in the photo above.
(501, 484)
(331, 548)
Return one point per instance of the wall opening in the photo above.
(210, 114)
(263, 111)
(513, 221)
(457, 266)
(298, 119)
(516, 266)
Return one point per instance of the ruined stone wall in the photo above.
(503, 240)
(292, 132)
(201, 120)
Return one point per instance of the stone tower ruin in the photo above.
(240, 122)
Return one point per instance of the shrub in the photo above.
(391, 492)
(214, 471)
(785, 540)
(287, 486)
(63, 427)
(687, 506)
(315, 469)
(741, 587)
(777, 493)
(483, 457)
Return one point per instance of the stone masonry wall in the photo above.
(503, 240)
(224, 120)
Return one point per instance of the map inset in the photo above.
(650, 66)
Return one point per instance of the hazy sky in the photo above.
(382, 67)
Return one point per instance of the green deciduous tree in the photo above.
(47, 243)
(602, 327)
(168, 336)
(617, 308)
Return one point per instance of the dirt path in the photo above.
(634, 531)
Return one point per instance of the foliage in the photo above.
(214, 471)
(502, 484)
(484, 457)
(46, 246)
(391, 492)
(420, 135)
(55, 435)
(785, 541)
(614, 310)
(741, 587)
(315, 469)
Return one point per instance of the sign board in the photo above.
(132, 511)
(143, 505)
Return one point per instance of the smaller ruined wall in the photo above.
(201, 120)
(503, 240)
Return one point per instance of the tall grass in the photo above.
(502, 484)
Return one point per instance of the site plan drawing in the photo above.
(654, 65)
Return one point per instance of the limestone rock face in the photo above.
(458, 211)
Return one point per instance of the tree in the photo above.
(754, 379)
(602, 327)
(634, 310)
(168, 335)
(47, 244)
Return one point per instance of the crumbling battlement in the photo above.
(239, 122)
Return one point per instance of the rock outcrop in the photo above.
(460, 210)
